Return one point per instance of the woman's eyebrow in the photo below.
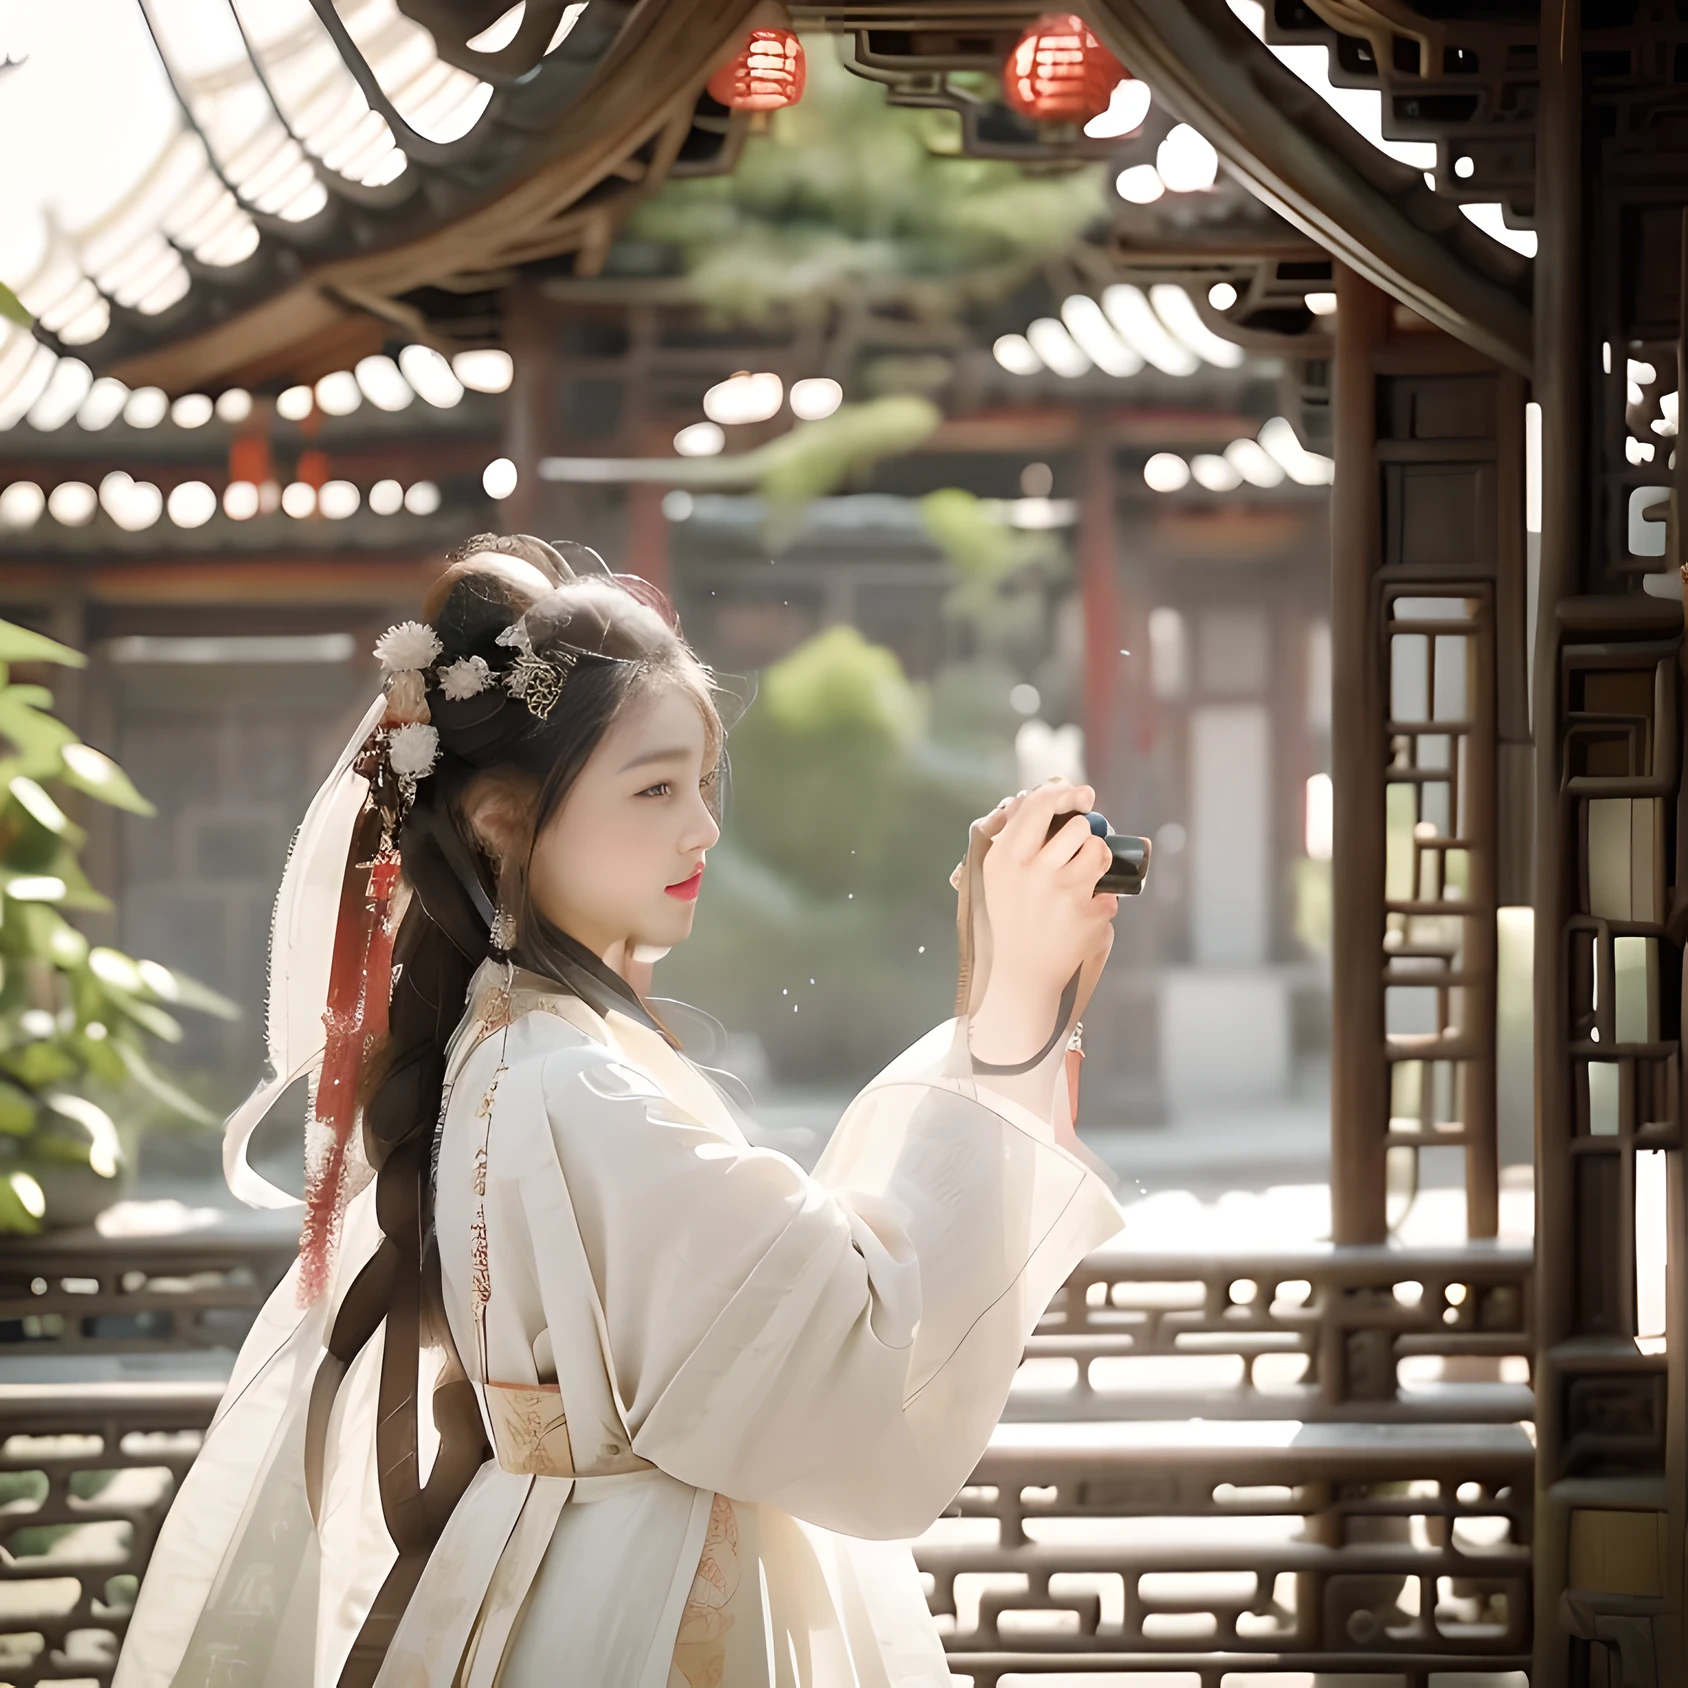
(675, 753)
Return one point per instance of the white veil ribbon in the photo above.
(301, 948)
(242, 1578)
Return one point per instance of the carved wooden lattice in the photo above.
(1439, 927)
(1612, 1503)
(1193, 1515)
(1430, 731)
(1241, 1553)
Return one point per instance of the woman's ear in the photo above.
(498, 807)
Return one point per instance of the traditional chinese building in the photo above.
(1461, 239)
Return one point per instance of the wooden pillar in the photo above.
(1612, 1433)
(529, 335)
(1559, 388)
(1098, 562)
(647, 537)
(1359, 1090)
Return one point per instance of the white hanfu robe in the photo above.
(770, 1379)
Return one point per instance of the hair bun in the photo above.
(478, 597)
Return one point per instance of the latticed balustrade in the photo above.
(1212, 1472)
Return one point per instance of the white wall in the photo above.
(1230, 835)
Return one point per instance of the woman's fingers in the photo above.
(1027, 827)
(1068, 844)
(1091, 857)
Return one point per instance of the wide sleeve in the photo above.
(838, 1345)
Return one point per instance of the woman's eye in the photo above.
(660, 789)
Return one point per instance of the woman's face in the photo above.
(621, 861)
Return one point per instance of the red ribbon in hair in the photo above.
(360, 981)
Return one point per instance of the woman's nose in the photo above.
(703, 830)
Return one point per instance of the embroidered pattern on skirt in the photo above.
(700, 1647)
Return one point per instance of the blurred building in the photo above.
(229, 654)
(1502, 639)
(1149, 397)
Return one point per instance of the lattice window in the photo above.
(1439, 931)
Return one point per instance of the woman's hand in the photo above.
(1047, 920)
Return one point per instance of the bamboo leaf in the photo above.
(21, 644)
(88, 770)
(151, 1018)
(15, 1218)
(17, 1110)
(38, 1064)
(170, 985)
(161, 1089)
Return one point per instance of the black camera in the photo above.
(1131, 855)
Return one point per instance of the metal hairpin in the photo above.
(539, 680)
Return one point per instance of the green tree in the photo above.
(76, 1019)
(846, 197)
(828, 926)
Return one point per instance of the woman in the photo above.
(581, 1387)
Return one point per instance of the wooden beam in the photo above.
(1020, 430)
(663, 58)
(1292, 150)
(403, 460)
(343, 579)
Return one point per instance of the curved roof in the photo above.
(252, 192)
(241, 188)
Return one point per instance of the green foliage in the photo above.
(815, 457)
(846, 194)
(998, 604)
(75, 1019)
(844, 821)
(828, 926)
(1311, 891)
(968, 531)
(820, 764)
(12, 308)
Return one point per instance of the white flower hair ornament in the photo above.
(409, 645)
(411, 743)
(466, 678)
(413, 750)
(405, 652)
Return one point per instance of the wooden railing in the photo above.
(1319, 1464)
(1213, 1473)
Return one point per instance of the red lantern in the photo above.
(767, 74)
(1059, 72)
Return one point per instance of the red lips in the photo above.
(687, 889)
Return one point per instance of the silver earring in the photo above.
(503, 933)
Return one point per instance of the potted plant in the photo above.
(76, 1019)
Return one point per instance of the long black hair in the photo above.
(496, 752)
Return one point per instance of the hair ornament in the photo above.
(409, 645)
(466, 678)
(406, 737)
(516, 637)
(539, 680)
(412, 750)
(407, 697)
